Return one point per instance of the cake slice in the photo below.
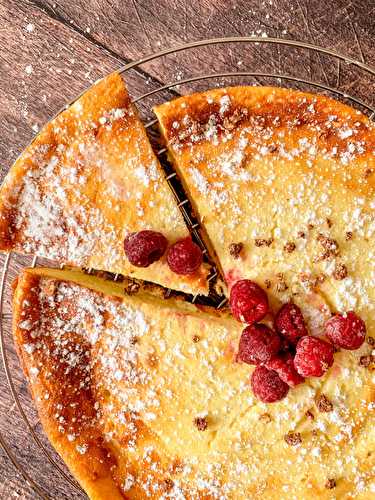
(284, 184)
(143, 398)
(88, 180)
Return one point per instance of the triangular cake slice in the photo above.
(88, 180)
(142, 398)
(284, 184)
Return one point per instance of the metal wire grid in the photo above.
(182, 202)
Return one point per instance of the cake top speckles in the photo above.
(88, 180)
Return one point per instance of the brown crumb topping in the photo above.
(327, 243)
(235, 250)
(330, 246)
(349, 235)
(267, 284)
(196, 338)
(366, 361)
(293, 438)
(329, 222)
(310, 226)
(371, 341)
(263, 242)
(281, 285)
(340, 272)
(323, 404)
(330, 484)
(312, 281)
(290, 247)
(301, 234)
(201, 423)
(265, 417)
(368, 172)
(309, 414)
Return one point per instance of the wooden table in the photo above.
(52, 50)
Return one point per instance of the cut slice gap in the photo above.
(132, 286)
(190, 213)
(186, 205)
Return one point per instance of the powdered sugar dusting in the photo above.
(89, 179)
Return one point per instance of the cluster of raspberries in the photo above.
(283, 356)
(286, 354)
(146, 247)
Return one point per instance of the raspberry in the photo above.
(248, 301)
(145, 247)
(184, 257)
(283, 365)
(267, 385)
(347, 331)
(289, 323)
(258, 344)
(313, 356)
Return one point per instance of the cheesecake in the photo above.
(146, 398)
(284, 184)
(88, 181)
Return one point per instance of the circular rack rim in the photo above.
(250, 39)
(191, 45)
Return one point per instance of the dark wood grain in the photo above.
(50, 51)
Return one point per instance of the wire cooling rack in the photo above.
(333, 80)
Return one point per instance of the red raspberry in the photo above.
(267, 385)
(347, 331)
(258, 344)
(249, 303)
(184, 257)
(289, 323)
(313, 356)
(145, 247)
(283, 365)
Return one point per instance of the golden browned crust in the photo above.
(170, 412)
(186, 121)
(61, 388)
(88, 179)
(62, 330)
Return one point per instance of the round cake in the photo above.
(271, 398)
